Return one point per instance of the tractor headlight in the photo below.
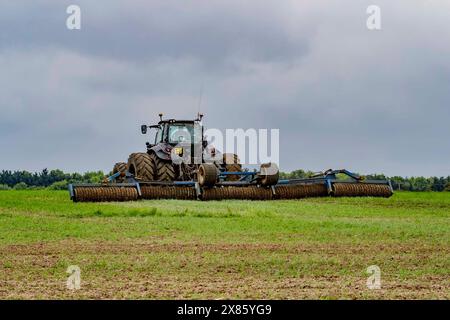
(178, 151)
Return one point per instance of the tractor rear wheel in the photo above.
(231, 163)
(122, 168)
(165, 171)
(142, 166)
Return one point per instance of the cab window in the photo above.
(159, 135)
(179, 133)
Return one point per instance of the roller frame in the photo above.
(248, 179)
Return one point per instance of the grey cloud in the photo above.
(342, 96)
(213, 34)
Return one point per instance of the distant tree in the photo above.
(420, 184)
(437, 184)
(75, 177)
(376, 176)
(398, 183)
(20, 186)
(44, 178)
(55, 176)
(298, 174)
(93, 177)
(284, 175)
(59, 185)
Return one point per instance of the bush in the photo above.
(20, 186)
(59, 185)
(35, 188)
(447, 188)
(4, 187)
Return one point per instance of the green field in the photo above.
(312, 248)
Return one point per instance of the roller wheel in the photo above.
(231, 163)
(168, 192)
(300, 191)
(142, 166)
(207, 175)
(104, 193)
(361, 190)
(165, 171)
(122, 168)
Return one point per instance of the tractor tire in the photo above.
(142, 166)
(231, 163)
(122, 168)
(165, 171)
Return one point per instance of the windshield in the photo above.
(183, 133)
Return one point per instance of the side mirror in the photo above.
(144, 129)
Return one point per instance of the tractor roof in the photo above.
(177, 121)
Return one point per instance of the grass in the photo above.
(312, 248)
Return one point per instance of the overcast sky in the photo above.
(342, 96)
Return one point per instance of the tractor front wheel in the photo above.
(165, 171)
(142, 166)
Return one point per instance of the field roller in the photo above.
(181, 164)
(212, 185)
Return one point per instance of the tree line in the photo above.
(57, 179)
(54, 179)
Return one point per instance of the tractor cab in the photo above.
(181, 137)
(175, 132)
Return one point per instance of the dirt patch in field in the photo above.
(173, 287)
(102, 247)
(150, 269)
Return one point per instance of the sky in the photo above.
(342, 96)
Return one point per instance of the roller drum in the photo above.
(361, 190)
(168, 192)
(299, 191)
(237, 193)
(104, 194)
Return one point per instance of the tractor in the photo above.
(181, 164)
(178, 149)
